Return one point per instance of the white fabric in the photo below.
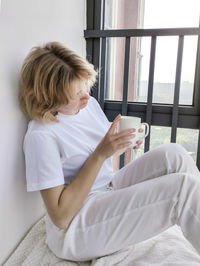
(149, 195)
(166, 249)
(55, 152)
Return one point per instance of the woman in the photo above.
(91, 211)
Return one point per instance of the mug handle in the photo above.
(147, 127)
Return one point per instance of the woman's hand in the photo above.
(139, 142)
(113, 142)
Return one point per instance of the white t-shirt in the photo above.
(55, 152)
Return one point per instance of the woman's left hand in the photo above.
(139, 142)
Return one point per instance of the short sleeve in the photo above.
(42, 161)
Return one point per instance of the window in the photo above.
(148, 52)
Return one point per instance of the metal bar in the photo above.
(125, 86)
(90, 14)
(101, 90)
(196, 95)
(121, 161)
(177, 89)
(90, 26)
(98, 14)
(89, 50)
(198, 152)
(97, 5)
(141, 32)
(126, 74)
(150, 91)
(158, 119)
(96, 62)
(156, 108)
(103, 14)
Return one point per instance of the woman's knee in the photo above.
(173, 154)
(172, 149)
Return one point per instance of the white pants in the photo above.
(149, 195)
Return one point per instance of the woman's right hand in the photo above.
(113, 142)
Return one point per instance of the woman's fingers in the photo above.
(128, 133)
(139, 142)
(114, 125)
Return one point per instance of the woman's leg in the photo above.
(162, 160)
(110, 221)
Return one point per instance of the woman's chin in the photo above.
(83, 105)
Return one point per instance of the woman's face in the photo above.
(80, 99)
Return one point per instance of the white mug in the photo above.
(128, 122)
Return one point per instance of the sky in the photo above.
(170, 14)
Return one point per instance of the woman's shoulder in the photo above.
(37, 126)
(93, 100)
(36, 129)
(94, 103)
(38, 137)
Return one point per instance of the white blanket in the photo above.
(168, 248)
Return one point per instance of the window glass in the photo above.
(165, 69)
(171, 13)
(188, 138)
(143, 69)
(138, 69)
(115, 50)
(120, 14)
(159, 135)
(128, 14)
(188, 70)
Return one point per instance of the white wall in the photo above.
(24, 24)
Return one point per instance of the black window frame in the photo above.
(170, 115)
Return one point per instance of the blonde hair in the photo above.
(47, 77)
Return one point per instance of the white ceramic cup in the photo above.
(128, 122)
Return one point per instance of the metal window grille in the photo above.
(171, 115)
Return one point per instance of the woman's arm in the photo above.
(63, 202)
(73, 196)
(62, 208)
